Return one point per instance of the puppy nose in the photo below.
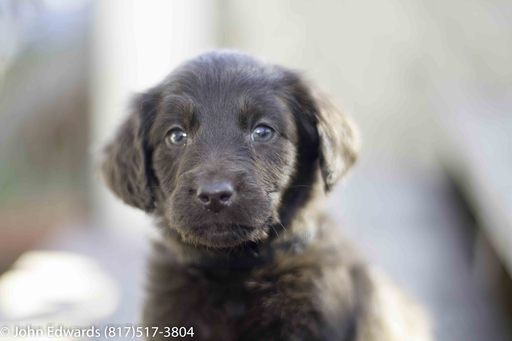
(216, 195)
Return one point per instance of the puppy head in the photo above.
(222, 145)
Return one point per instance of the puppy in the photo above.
(232, 157)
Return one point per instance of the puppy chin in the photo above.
(222, 236)
(220, 232)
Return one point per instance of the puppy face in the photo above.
(221, 147)
(224, 151)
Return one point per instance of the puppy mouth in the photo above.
(223, 235)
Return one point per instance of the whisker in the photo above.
(275, 231)
(284, 227)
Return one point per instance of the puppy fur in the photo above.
(262, 262)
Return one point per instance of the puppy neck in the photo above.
(243, 258)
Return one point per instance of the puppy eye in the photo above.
(176, 137)
(262, 133)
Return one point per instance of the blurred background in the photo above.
(428, 83)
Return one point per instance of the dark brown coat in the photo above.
(233, 157)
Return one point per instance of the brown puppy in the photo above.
(232, 157)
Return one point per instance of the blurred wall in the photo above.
(399, 66)
(44, 114)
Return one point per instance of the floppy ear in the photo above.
(338, 139)
(126, 165)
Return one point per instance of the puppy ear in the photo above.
(338, 140)
(126, 165)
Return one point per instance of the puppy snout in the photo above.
(215, 195)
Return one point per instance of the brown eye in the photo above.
(176, 137)
(262, 133)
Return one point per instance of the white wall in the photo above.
(396, 64)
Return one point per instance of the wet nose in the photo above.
(215, 196)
